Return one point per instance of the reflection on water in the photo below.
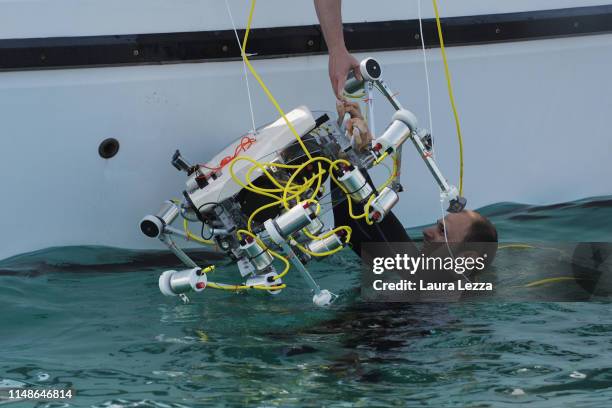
(71, 319)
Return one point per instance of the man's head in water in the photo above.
(469, 235)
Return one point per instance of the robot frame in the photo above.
(263, 210)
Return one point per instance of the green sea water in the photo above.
(93, 320)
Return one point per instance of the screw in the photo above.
(310, 43)
(136, 53)
(224, 48)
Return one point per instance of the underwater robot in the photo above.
(258, 200)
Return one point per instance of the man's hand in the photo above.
(356, 126)
(340, 64)
(340, 60)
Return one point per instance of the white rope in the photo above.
(426, 67)
(244, 67)
(431, 130)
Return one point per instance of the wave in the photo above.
(585, 220)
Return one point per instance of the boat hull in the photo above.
(534, 115)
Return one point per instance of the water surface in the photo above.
(92, 319)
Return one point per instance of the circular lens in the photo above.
(149, 228)
(373, 69)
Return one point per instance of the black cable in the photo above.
(215, 205)
(202, 233)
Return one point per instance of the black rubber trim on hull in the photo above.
(203, 46)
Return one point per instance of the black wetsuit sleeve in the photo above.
(389, 230)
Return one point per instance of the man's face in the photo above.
(457, 227)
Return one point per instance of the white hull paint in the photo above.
(535, 118)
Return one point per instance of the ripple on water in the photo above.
(118, 343)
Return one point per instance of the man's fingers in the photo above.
(334, 83)
(349, 126)
(351, 104)
(360, 127)
(355, 65)
(340, 88)
(360, 124)
(353, 109)
(340, 109)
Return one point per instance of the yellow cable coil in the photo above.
(193, 237)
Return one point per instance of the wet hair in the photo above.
(482, 230)
(482, 238)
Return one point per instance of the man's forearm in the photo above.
(330, 18)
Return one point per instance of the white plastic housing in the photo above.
(287, 223)
(174, 283)
(356, 185)
(263, 280)
(320, 246)
(403, 124)
(383, 203)
(260, 258)
(323, 298)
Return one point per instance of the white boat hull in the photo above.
(535, 119)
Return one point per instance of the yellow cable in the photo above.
(321, 254)
(258, 287)
(450, 95)
(350, 96)
(516, 246)
(257, 165)
(263, 85)
(326, 235)
(209, 268)
(315, 202)
(315, 191)
(527, 246)
(295, 191)
(366, 210)
(332, 164)
(381, 158)
(274, 254)
(249, 188)
(391, 176)
(224, 286)
(257, 211)
(549, 280)
(269, 190)
(193, 237)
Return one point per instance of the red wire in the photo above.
(245, 143)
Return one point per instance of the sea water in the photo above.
(93, 320)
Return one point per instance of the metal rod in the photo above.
(391, 97)
(388, 93)
(423, 152)
(167, 240)
(430, 163)
(300, 267)
(175, 231)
